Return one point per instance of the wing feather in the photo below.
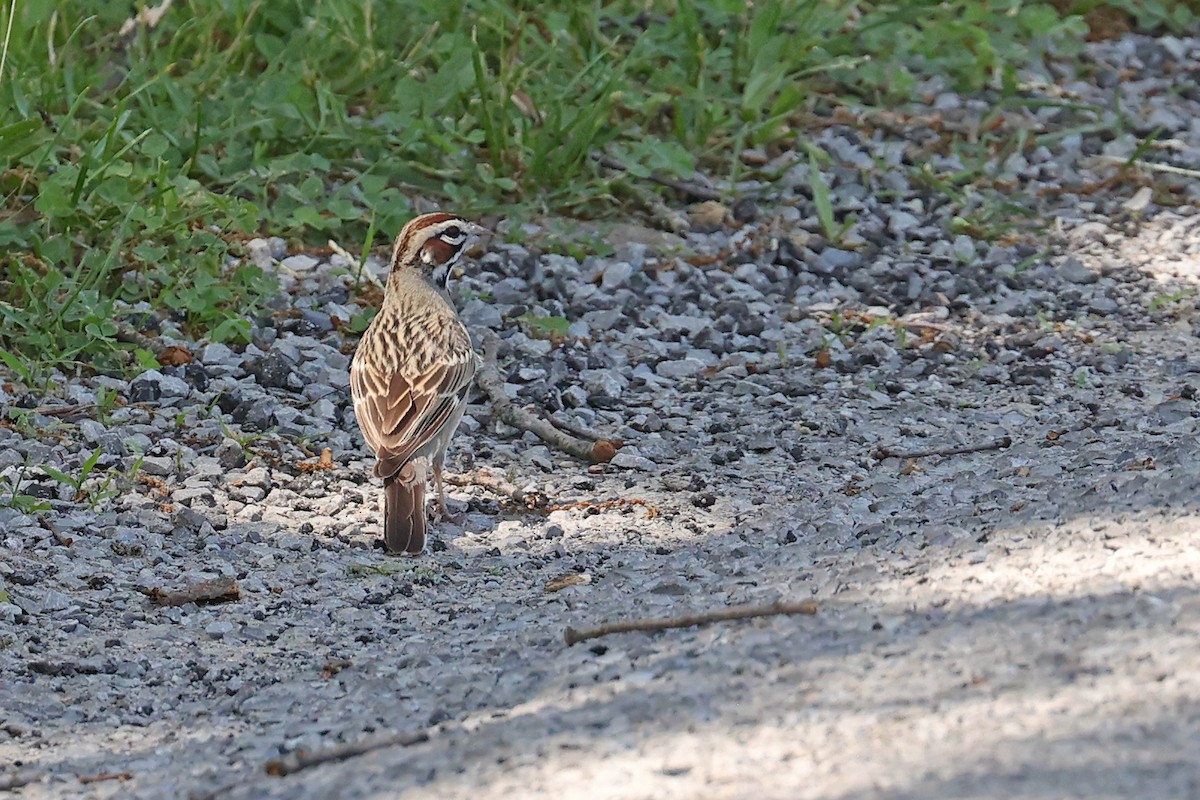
(399, 413)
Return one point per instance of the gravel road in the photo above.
(1017, 618)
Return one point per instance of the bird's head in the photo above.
(432, 243)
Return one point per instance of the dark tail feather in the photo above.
(404, 513)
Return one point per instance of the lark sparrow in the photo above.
(411, 374)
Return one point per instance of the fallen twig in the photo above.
(1151, 165)
(335, 665)
(500, 486)
(59, 535)
(573, 636)
(218, 590)
(106, 776)
(998, 444)
(574, 428)
(360, 262)
(661, 215)
(303, 759)
(325, 462)
(564, 581)
(64, 411)
(126, 333)
(691, 189)
(489, 380)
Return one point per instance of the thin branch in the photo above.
(65, 411)
(219, 590)
(127, 334)
(106, 776)
(691, 189)
(998, 444)
(583, 432)
(361, 262)
(497, 484)
(489, 380)
(662, 215)
(302, 759)
(573, 636)
(1151, 165)
(56, 531)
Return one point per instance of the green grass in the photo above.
(133, 167)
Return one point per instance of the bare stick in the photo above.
(361, 262)
(1191, 173)
(106, 776)
(64, 411)
(302, 759)
(999, 444)
(492, 384)
(126, 333)
(572, 427)
(692, 189)
(57, 532)
(573, 636)
(219, 590)
(500, 486)
(662, 215)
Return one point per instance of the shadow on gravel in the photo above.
(1016, 686)
(1012, 699)
(1119, 759)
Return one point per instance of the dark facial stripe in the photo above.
(440, 251)
(414, 236)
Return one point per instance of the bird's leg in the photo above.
(441, 489)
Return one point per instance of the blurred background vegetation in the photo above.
(137, 155)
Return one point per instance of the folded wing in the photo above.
(400, 414)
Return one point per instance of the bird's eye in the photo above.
(453, 232)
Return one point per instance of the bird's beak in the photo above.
(475, 233)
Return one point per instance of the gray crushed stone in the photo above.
(1015, 620)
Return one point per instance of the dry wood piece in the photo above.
(998, 444)
(65, 411)
(126, 333)
(219, 590)
(492, 384)
(59, 535)
(565, 581)
(573, 636)
(660, 214)
(302, 759)
(500, 486)
(334, 666)
(583, 432)
(175, 356)
(106, 776)
(325, 462)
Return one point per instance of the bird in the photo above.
(411, 373)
